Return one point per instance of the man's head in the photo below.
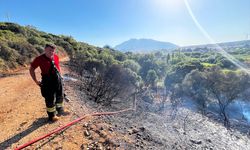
(50, 50)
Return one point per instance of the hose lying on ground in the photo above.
(70, 124)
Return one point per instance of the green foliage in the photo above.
(119, 56)
(227, 71)
(2, 64)
(179, 71)
(151, 78)
(9, 56)
(168, 58)
(25, 50)
(19, 45)
(135, 79)
(6, 36)
(225, 88)
(36, 40)
(225, 63)
(15, 28)
(208, 65)
(106, 57)
(178, 57)
(74, 44)
(93, 65)
(195, 85)
(244, 57)
(210, 86)
(131, 64)
(148, 62)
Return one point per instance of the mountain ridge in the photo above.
(238, 43)
(144, 45)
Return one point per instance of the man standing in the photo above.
(51, 84)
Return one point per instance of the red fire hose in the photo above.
(70, 124)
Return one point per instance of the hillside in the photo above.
(20, 44)
(224, 45)
(144, 45)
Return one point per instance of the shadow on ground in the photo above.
(34, 126)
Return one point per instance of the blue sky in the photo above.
(101, 22)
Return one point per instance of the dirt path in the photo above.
(23, 113)
(23, 117)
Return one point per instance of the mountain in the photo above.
(144, 45)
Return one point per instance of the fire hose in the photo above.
(70, 124)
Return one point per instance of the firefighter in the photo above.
(51, 83)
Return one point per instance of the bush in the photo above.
(2, 64)
(131, 64)
(13, 28)
(36, 41)
(102, 86)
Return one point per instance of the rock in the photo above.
(91, 127)
(85, 125)
(108, 148)
(135, 131)
(111, 129)
(107, 142)
(209, 140)
(138, 135)
(22, 124)
(87, 133)
(195, 141)
(100, 147)
(98, 131)
(90, 137)
(142, 129)
(129, 132)
(94, 146)
(59, 148)
(141, 146)
(82, 147)
(103, 134)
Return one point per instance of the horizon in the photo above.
(186, 45)
(113, 22)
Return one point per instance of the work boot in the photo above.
(62, 112)
(54, 119)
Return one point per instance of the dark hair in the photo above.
(50, 45)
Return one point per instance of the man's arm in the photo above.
(33, 75)
(59, 67)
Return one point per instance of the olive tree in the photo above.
(225, 87)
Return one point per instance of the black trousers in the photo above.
(52, 91)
